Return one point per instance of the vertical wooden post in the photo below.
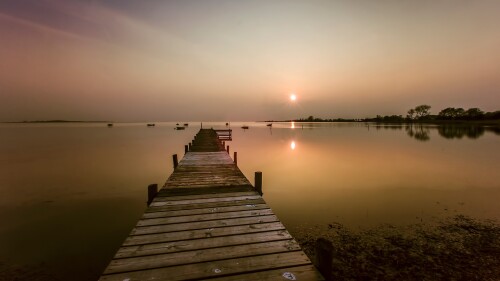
(224, 143)
(189, 146)
(202, 125)
(174, 158)
(324, 255)
(235, 158)
(186, 148)
(152, 191)
(258, 182)
(228, 149)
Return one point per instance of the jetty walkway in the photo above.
(209, 222)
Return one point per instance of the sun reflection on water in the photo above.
(292, 145)
(293, 125)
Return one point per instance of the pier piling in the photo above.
(258, 182)
(174, 159)
(152, 191)
(324, 255)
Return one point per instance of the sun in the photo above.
(293, 97)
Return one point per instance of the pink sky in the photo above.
(240, 60)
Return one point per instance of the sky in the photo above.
(134, 61)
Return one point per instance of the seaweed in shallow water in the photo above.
(456, 248)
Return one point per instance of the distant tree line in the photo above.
(313, 119)
(422, 113)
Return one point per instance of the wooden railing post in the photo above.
(228, 149)
(235, 158)
(189, 148)
(174, 158)
(186, 148)
(258, 182)
(324, 255)
(152, 191)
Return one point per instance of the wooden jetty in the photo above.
(209, 222)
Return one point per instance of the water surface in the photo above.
(71, 193)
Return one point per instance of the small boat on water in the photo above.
(244, 127)
(227, 124)
(151, 125)
(110, 124)
(269, 125)
(186, 124)
(180, 128)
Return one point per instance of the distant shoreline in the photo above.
(437, 122)
(55, 121)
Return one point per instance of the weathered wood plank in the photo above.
(161, 201)
(203, 243)
(201, 233)
(303, 273)
(212, 254)
(205, 217)
(196, 191)
(214, 268)
(205, 158)
(190, 212)
(201, 225)
(205, 205)
(209, 195)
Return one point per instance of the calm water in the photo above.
(70, 193)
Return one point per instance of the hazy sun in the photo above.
(293, 97)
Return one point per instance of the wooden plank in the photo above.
(203, 243)
(303, 273)
(194, 191)
(196, 256)
(201, 225)
(161, 201)
(214, 268)
(205, 205)
(228, 182)
(201, 233)
(205, 217)
(206, 158)
(210, 194)
(190, 212)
